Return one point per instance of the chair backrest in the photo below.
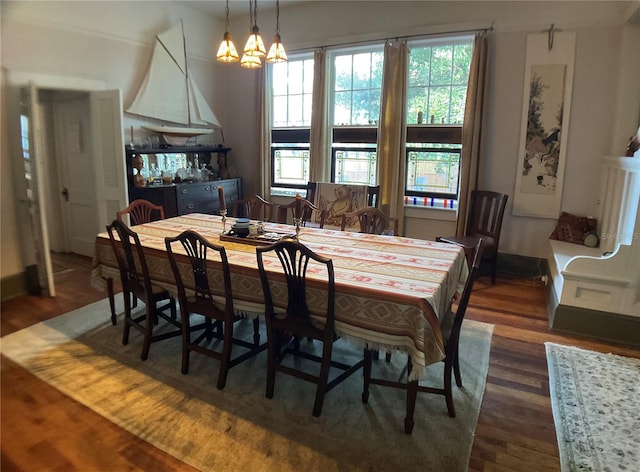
(485, 214)
(372, 221)
(254, 207)
(142, 211)
(134, 273)
(294, 257)
(196, 249)
(300, 208)
(463, 302)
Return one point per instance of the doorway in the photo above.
(75, 153)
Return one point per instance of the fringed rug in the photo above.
(596, 408)
(238, 429)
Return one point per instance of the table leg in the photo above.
(412, 394)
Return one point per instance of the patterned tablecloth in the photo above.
(391, 292)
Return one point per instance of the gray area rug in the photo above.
(238, 429)
(596, 408)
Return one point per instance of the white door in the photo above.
(108, 156)
(31, 128)
(78, 199)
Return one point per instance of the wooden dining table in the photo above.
(391, 292)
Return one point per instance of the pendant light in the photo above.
(277, 52)
(254, 45)
(227, 50)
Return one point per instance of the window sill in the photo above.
(430, 213)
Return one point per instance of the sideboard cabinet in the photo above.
(181, 198)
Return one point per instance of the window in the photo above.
(356, 78)
(291, 100)
(436, 92)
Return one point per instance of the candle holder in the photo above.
(223, 213)
(297, 222)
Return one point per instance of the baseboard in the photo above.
(601, 325)
(13, 286)
(522, 266)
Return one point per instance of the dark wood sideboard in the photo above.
(185, 197)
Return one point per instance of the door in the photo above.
(31, 129)
(108, 156)
(77, 175)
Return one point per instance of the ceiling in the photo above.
(216, 8)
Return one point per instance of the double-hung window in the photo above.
(436, 92)
(356, 87)
(291, 99)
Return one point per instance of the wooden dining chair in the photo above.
(372, 221)
(296, 320)
(484, 221)
(254, 207)
(450, 326)
(140, 211)
(219, 317)
(136, 284)
(306, 209)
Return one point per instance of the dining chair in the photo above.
(140, 211)
(296, 321)
(450, 326)
(254, 207)
(304, 210)
(219, 317)
(372, 221)
(484, 221)
(136, 284)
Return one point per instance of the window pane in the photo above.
(361, 103)
(458, 100)
(295, 77)
(442, 64)
(342, 108)
(439, 104)
(433, 172)
(355, 166)
(295, 110)
(461, 63)
(279, 111)
(343, 73)
(291, 166)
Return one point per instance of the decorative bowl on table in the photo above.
(241, 227)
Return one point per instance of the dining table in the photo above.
(392, 292)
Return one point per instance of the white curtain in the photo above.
(319, 159)
(264, 132)
(473, 128)
(392, 136)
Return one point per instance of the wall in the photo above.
(111, 41)
(605, 101)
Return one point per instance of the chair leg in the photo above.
(127, 318)
(456, 369)
(256, 332)
(186, 340)
(323, 378)
(148, 329)
(112, 301)
(448, 367)
(366, 373)
(412, 394)
(273, 343)
(226, 354)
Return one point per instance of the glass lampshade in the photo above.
(227, 50)
(254, 45)
(250, 62)
(277, 52)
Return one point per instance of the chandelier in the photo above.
(254, 49)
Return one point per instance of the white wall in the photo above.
(111, 42)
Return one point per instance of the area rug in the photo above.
(238, 429)
(596, 408)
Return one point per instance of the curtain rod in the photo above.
(415, 36)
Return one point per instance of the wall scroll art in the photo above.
(545, 118)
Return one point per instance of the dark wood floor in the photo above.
(42, 429)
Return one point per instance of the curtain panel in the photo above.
(391, 137)
(473, 128)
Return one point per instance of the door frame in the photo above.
(16, 80)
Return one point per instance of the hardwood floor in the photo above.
(43, 429)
